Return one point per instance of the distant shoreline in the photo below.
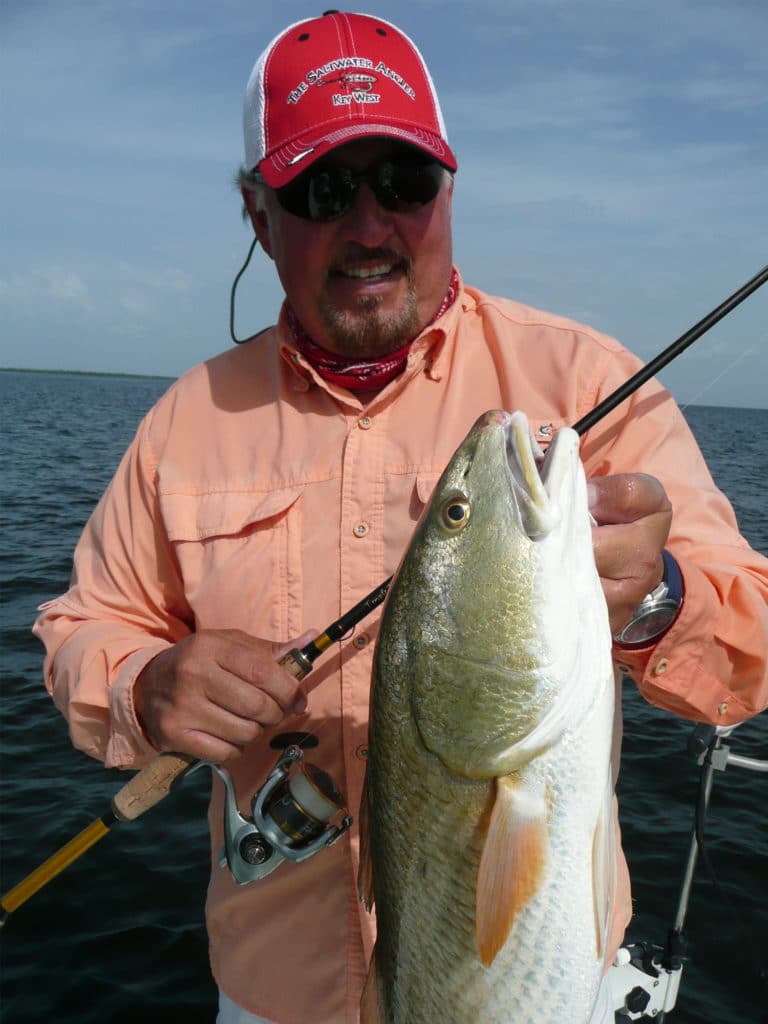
(87, 373)
(164, 376)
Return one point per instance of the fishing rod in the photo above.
(154, 782)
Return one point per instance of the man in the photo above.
(276, 485)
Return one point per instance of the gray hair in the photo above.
(252, 182)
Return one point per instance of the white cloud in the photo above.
(728, 92)
(95, 293)
(58, 287)
(68, 287)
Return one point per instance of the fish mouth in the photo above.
(537, 477)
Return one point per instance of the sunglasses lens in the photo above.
(405, 183)
(326, 192)
(330, 193)
(322, 193)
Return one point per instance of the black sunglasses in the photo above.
(326, 191)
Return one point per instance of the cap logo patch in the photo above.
(353, 86)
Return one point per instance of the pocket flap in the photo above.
(425, 484)
(222, 513)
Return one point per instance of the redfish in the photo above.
(487, 828)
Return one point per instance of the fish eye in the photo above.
(455, 513)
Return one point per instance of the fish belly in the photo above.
(428, 828)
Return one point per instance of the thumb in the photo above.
(280, 650)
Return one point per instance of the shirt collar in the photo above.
(428, 351)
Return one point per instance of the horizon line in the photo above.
(167, 376)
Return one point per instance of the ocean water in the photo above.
(120, 933)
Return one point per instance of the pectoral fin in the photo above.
(512, 862)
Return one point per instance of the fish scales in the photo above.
(468, 668)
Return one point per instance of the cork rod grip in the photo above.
(149, 786)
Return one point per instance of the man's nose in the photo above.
(367, 221)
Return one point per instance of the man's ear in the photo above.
(259, 219)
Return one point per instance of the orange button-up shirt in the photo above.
(256, 496)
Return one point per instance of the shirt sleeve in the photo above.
(711, 664)
(124, 606)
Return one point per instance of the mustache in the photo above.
(356, 253)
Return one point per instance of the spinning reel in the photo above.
(296, 813)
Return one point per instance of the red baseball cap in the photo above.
(325, 81)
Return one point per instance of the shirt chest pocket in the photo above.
(239, 553)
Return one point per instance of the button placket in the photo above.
(361, 566)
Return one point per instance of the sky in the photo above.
(612, 168)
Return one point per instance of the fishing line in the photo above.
(712, 383)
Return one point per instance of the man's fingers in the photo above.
(209, 746)
(220, 721)
(254, 664)
(629, 551)
(241, 701)
(214, 692)
(626, 497)
(633, 516)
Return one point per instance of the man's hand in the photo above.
(214, 692)
(633, 516)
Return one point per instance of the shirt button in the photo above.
(361, 640)
(660, 668)
(365, 422)
(360, 529)
(722, 709)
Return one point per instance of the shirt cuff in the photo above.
(676, 673)
(128, 747)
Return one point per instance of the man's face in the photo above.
(368, 282)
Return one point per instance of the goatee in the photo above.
(368, 331)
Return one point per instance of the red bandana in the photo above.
(355, 374)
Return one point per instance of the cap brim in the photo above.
(284, 164)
